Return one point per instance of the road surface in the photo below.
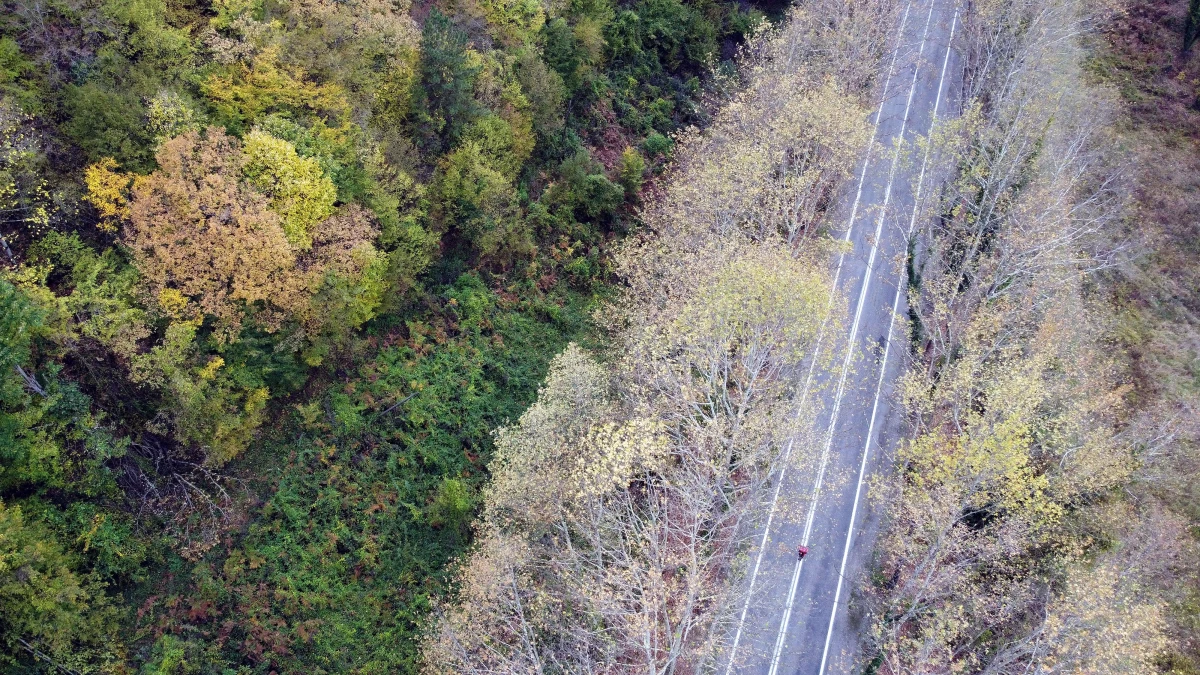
(795, 620)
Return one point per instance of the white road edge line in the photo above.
(820, 338)
(841, 388)
(886, 351)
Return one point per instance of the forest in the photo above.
(361, 336)
(272, 273)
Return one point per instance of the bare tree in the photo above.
(1019, 409)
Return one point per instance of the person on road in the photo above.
(802, 551)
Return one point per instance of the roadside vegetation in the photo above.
(1041, 518)
(1147, 52)
(618, 502)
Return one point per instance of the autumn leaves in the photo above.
(990, 561)
(232, 231)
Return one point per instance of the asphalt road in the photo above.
(796, 618)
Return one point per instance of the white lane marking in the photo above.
(841, 388)
(820, 339)
(912, 221)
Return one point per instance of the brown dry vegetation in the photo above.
(1158, 297)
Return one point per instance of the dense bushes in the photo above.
(344, 559)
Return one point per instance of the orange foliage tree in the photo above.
(197, 227)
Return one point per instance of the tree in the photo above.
(211, 247)
(632, 172)
(168, 114)
(347, 43)
(544, 90)
(107, 191)
(27, 457)
(1192, 25)
(1100, 624)
(53, 617)
(444, 104)
(241, 93)
(299, 190)
(347, 279)
(661, 31)
(806, 139)
(615, 501)
(514, 21)
(16, 77)
(105, 123)
(196, 226)
(476, 200)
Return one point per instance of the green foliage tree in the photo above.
(1191, 27)
(445, 103)
(476, 201)
(53, 617)
(660, 33)
(26, 457)
(16, 77)
(514, 21)
(632, 172)
(545, 91)
(105, 123)
(147, 34)
(595, 197)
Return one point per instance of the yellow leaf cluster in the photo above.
(612, 452)
(172, 302)
(299, 190)
(1102, 626)
(107, 190)
(763, 301)
(243, 93)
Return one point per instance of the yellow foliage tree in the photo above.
(299, 191)
(107, 190)
(243, 93)
(196, 226)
